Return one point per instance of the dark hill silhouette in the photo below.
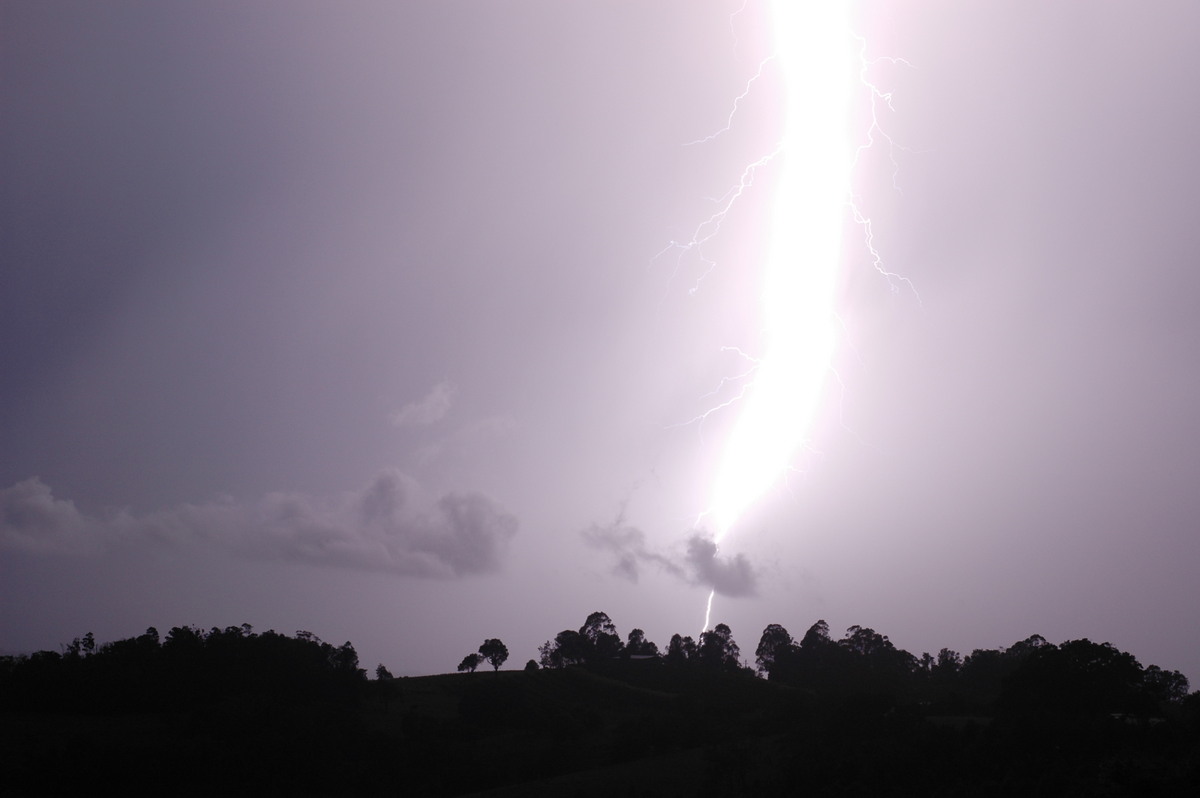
(232, 711)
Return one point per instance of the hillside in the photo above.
(236, 712)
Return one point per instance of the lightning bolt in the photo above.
(815, 52)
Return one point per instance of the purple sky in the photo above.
(347, 317)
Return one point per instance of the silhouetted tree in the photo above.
(1022, 649)
(675, 654)
(568, 648)
(494, 652)
(877, 666)
(816, 636)
(943, 676)
(863, 662)
(470, 663)
(382, 674)
(981, 674)
(602, 640)
(1166, 687)
(816, 663)
(775, 641)
(81, 646)
(189, 637)
(548, 655)
(531, 665)
(345, 660)
(1078, 677)
(948, 663)
(680, 650)
(717, 648)
(639, 646)
(865, 642)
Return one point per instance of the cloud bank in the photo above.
(698, 565)
(385, 526)
(31, 519)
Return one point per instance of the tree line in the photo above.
(188, 668)
(1030, 675)
(232, 710)
(597, 640)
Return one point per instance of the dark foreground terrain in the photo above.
(231, 711)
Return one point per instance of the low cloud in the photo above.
(387, 526)
(31, 519)
(698, 565)
(729, 576)
(426, 411)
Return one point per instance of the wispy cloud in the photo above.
(384, 526)
(628, 545)
(425, 411)
(698, 565)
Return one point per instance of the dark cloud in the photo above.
(382, 527)
(729, 576)
(699, 565)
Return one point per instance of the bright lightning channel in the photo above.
(815, 52)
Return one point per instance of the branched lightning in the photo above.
(737, 378)
(737, 101)
(711, 227)
(878, 97)
(812, 48)
(815, 53)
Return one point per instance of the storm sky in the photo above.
(365, 319)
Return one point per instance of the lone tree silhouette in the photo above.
(494, 652)
(470, 663)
